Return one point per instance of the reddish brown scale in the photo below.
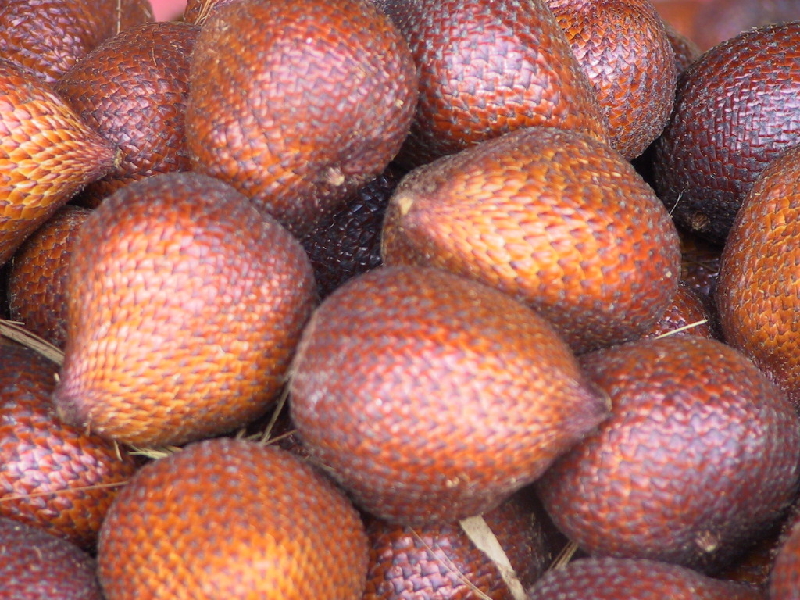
(49, 36)
(232, 519)
(185, 307)
(197, 11)
(784, 576)
(487, 68)
(47, 154)
(347, 242)
(686, 314)
(52, 476)
(37, 284)
(700, 267)
(132, 90)
(554, 218)
(685, 49)
(445, 399)
(623, 47)
(737, 108)
(699, 456)
(298, 118)
(37, 566)
(757, 295)
(625, 579)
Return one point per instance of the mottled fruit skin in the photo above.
(624, 49)
(297, 105)
(132, 90)
(37, 280)
(554, 218)
(52, 476)
(757, 293)
(50, 36)
(47, 154)
(229, 518)
(35, 565)
(184, 309)
(626, 579)
(736, 109)
(686, 314)
(701, 454)
(488, 68)
(433, 398)
(440, 562)
(784, 579)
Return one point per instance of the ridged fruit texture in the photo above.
(551, 217)
(757, 295)
(132, 90)
(736, 109)
(624, 579)
(47, 154)
(686, 314)
(228, 518)
(37, 566)
(701, 454)
(52, 476)
(37, 280)
(623, 47)
(433, 398)
(487, 68)
(184, 309)
(298, 104)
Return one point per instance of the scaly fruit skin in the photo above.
(35, 565)
(757, 294)
(298, 104)
(185, 307)
(736, 109)
(52, 476)
(700, 455)
(488, 68)
(229, 518)
(132, 90)
(624, 49)
(627, 579)
(47, 154)
(784, 578)
(433, 398)
(554, 218)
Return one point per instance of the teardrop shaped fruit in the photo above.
(37, 566)
(132, 90)
(229, 518)
(185, 306)
(757, 294)
(554, 218)
(736, 109)
(433, 398)
(701, 454)
(686, 314)
(627, 579)
(52, 476)
(298, 104)
(47, 154)
(624, 49)
(488, 68)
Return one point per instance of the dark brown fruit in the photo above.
(487, 68)
(185, 307)
(132, 90)
(625, 579)
(686, 314)
(297, 105)
(737, 108)
(47, 154)
(232, 519)
(52, 476)
(784, 579)
(37, 566)
(433, 398)
(700, 268)
(757, 295)
(701, 454)
(553, 218)
(444, 561)
(37, 285)
(49, 36)
(623, 47)
(685, 49)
